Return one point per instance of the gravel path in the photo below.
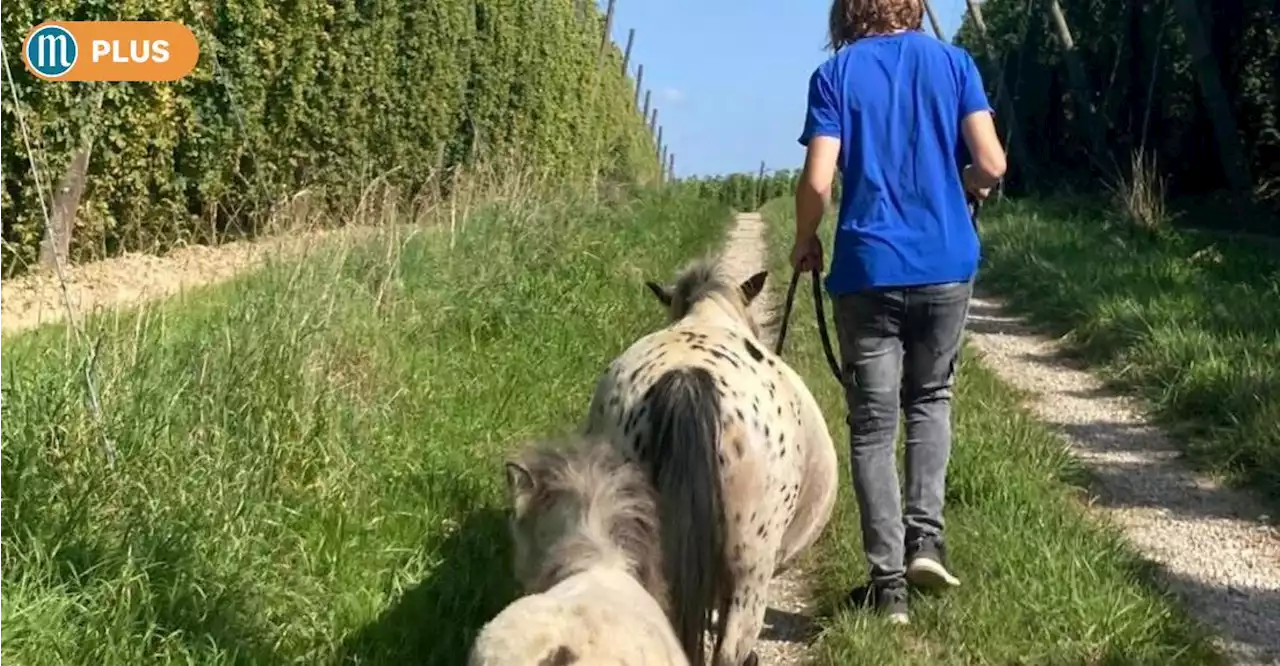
(787, 622)
(1216, 547)
(130, 279)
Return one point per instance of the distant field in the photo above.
(1189, 321)
(1042, 583)
(309, 457)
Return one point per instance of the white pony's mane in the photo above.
(618, 513)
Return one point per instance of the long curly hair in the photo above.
(851, 20)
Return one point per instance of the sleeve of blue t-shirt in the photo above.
(972, 95)
(823, 115)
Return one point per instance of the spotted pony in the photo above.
(738, 449)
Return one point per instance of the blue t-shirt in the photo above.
(896, 102)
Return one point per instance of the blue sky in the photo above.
(729, 76)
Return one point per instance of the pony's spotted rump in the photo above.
(736, 446)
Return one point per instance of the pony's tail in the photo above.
(683, 453)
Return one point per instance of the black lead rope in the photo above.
(975, 206)
(822, 321)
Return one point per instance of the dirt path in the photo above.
(784, 637)
(130, 279)
(1216, 547)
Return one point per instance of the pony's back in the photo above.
(600, 616)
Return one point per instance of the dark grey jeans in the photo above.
(899, 348)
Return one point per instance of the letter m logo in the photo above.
(51, 51)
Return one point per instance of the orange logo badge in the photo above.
(110, 51)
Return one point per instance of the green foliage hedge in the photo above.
(1139, 70)
(318, 95)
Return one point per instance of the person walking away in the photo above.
(889, 108)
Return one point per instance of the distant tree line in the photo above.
(747, 191)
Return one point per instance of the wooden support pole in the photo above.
(975, 10)
(662, 162)
(661, 148)
(759, 186)
(933, 20)
(1079, 82)
(640, 82)
(1214, 95)
(1002, 103)
(626, 55)
(595, 100)
(55, 245)
(604, 37)
(671, 166)
(645, 113)
(653, 124)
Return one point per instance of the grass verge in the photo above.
(1042, 582)
(309, 456)
(1187, 320)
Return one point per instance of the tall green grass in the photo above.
(1189, 321)
(1042, 582)
(309, 458)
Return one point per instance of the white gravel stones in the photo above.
(1216, 546)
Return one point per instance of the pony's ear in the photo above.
(754, 285)
(659, 291)
(520, 481)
